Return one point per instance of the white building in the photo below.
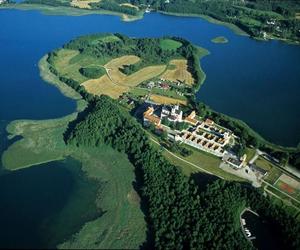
(173, 114)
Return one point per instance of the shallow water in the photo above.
(44, 205)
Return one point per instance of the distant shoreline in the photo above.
(70, 11)
(73, 11)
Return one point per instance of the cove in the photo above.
(257, 82)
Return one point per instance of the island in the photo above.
(219, 39)
(259, 19)
(140, 131)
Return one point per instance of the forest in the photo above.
(180, 213)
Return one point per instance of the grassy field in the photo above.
(115, 83)
(179, 73)
(83, 4)
(169, 44)
(104, 85)
(220, 39)
(166, 100)
(264, 164)
(144, 74)
(250, 152)
(129, 5)
(202, 159)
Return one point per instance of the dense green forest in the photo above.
(180, 214)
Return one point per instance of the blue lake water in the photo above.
(257, 82)
(44, 205)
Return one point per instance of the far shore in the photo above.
(73, 11)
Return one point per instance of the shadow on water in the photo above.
(266, 237)
(44, 205)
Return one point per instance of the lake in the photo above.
(44, 205)
(255, 81)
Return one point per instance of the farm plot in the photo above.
(166, 100)
(180, 73)
(115, 83)
(83, 4)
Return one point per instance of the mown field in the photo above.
(69, 62)
(83, 4)
(180, 73)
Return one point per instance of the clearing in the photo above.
(83, 4)
(166, 100)
(129, 5)
(180, 73)
(169, 44)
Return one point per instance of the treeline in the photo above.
(55, 3)
(179, 215)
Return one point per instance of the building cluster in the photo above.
(204, 135)
(155, 115)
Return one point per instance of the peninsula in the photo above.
(137, 97)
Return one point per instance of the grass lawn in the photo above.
(264, 164)
(273, 175)
(169, 44)
(283, 197)
(250, 152)
(202, 159)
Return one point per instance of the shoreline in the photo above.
(209, 19)
(73, 11)
(69, 11)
